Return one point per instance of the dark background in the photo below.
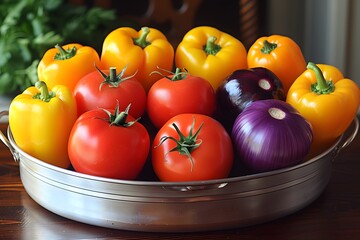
(221, 14)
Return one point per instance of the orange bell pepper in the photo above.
(211, 54)
(66, 65)
(281, 55)
(141, 52)
(327, 100)
(41, 120)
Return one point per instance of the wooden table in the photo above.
(334, 215)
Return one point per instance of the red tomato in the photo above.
(89, 95)
(168, 98)
(212, 159)
(97, 148)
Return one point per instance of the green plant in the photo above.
(30, 27)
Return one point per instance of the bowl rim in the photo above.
(167, 183)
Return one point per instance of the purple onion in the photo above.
(271, 134)
(243, 87)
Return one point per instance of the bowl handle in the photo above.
(351, 136)
(6, 141)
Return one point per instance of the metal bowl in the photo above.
(154, 206)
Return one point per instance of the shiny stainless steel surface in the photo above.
(177, 207)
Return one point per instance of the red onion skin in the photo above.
(264, 143)
(243, 87)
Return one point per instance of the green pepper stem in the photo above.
(44, 94)
(211, 48)
(141, 41)
(322, 86)
(64, 54)
(268, 47)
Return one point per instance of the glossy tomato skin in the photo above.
(88, 95)
(98, 149)
(213, 159)
(167, 98)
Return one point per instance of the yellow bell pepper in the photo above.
(327, 100)
(66, 65)
(211, 54)
(141, 52)
(41, 120)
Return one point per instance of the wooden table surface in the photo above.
(334, 215)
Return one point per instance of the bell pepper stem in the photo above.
(64, 54)
(322, 86)
(141, 41)
(211, 48)
(268, 47)
(321, 82)
(44, 94)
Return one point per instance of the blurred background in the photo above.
(328, 31)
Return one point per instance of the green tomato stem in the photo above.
(186, 144)
(179, 75)
(268, 47)
(113, 79)
(64, 54)
(119, 118)
(141, 41)
(322, 86)
(112, 74)
(211, 48)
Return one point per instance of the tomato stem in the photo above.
(211, 48)
(178, 75)
(141, 41)
(119, 118)
(268, 47)
(322, 86)
(64, 54)
(112, 79)
(44, 94)
(112, 74)
(186, 144)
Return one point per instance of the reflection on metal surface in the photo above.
(154, 206)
